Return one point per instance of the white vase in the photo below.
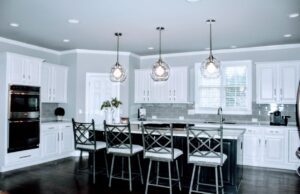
(116, 113)
(109, 115)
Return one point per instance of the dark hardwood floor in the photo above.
(59, 178)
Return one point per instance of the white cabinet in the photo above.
(174, 90)
(294, 144)
(54, 83)
(276, 82)
(23, 70)
(57, 140)
(274, 148)
(252, 147)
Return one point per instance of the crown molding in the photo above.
(222, 51)
(86, 51)
(29, 46)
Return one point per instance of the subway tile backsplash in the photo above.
(47, 111)
(174, 111)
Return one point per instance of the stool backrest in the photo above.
(84, 133)
(205, 142)
(118, 136)
(158, 138)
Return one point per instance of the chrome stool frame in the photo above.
(119, 143)
(158, 147)
(205, 149)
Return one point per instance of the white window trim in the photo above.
(246, 111)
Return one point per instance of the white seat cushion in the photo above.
(210, 160)
(124, 150)
(99, 145)
(161, 154)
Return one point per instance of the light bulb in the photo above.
(211, 68)
(159, 70)
(117, 73)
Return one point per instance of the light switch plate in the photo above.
(154, 117)
(181, 118)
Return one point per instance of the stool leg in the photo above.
(217, 180)
(94, 167)
(157, 172)
(192, 180)
(178, 175)
(148, 176)
(170, 176)
(129, 169)
(111, 170)
(106, 164)
(198, 177)
(122, 172)
(221, 177)
(140, 167)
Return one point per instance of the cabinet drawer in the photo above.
(67, 125)
(22, 156)
(254, 131)
(49, 127)
(272, 131)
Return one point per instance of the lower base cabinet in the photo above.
(271, 147)
(57, 140)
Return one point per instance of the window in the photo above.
(232, 90)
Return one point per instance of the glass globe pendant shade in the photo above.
(160, 71)
(210, 68)
(117, 73)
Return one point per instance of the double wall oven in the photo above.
(24, 118)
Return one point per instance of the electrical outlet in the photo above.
(154, 117)
(181, 118)
(254, 120)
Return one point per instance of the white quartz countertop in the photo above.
(228, 133)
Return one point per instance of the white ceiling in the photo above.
(243, 23)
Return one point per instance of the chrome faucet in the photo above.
(220, 113)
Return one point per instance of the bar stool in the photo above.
(158, 147)
(205, 149)
(119, 143)
(85, 141)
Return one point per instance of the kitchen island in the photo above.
(232, 147)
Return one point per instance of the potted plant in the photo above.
(116, 104)
(59, 113)
(106, 105)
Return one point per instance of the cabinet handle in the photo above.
(50, 127)
(27, 156)
(28, 76)
(23, 76)
(259, 141)
(53, 91)
(62, 136)
(265, 142)
(275, 94)
(58, 137)
(281, 93)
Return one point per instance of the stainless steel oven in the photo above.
(24, 118)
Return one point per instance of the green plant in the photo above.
(115, 102)
(59, 111)
(106, 104)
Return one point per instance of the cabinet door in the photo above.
(66, 139)
(294, 144)
(16, 69)
(33, 71)
(142, 86)
(50, 144)
(252, 149)
(59, 83)
(288, 82)
(180, 84)
(274, 150)
(46, 83)
(266, 83)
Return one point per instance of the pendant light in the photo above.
(117, 73)
(210, 67)
(160, 70)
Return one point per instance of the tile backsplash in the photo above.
(47, 111)
(259, 112)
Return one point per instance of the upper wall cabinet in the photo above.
(277, 82)
(23, 70)
(174, 90)
(54, 83)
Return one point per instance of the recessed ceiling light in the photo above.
(233, 46)
(192, 1)
(66, 40)
(287, 35)
(73, 21)
(14, 25)
(150, 48)
(294, 15)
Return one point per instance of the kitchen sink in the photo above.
(214, 122)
